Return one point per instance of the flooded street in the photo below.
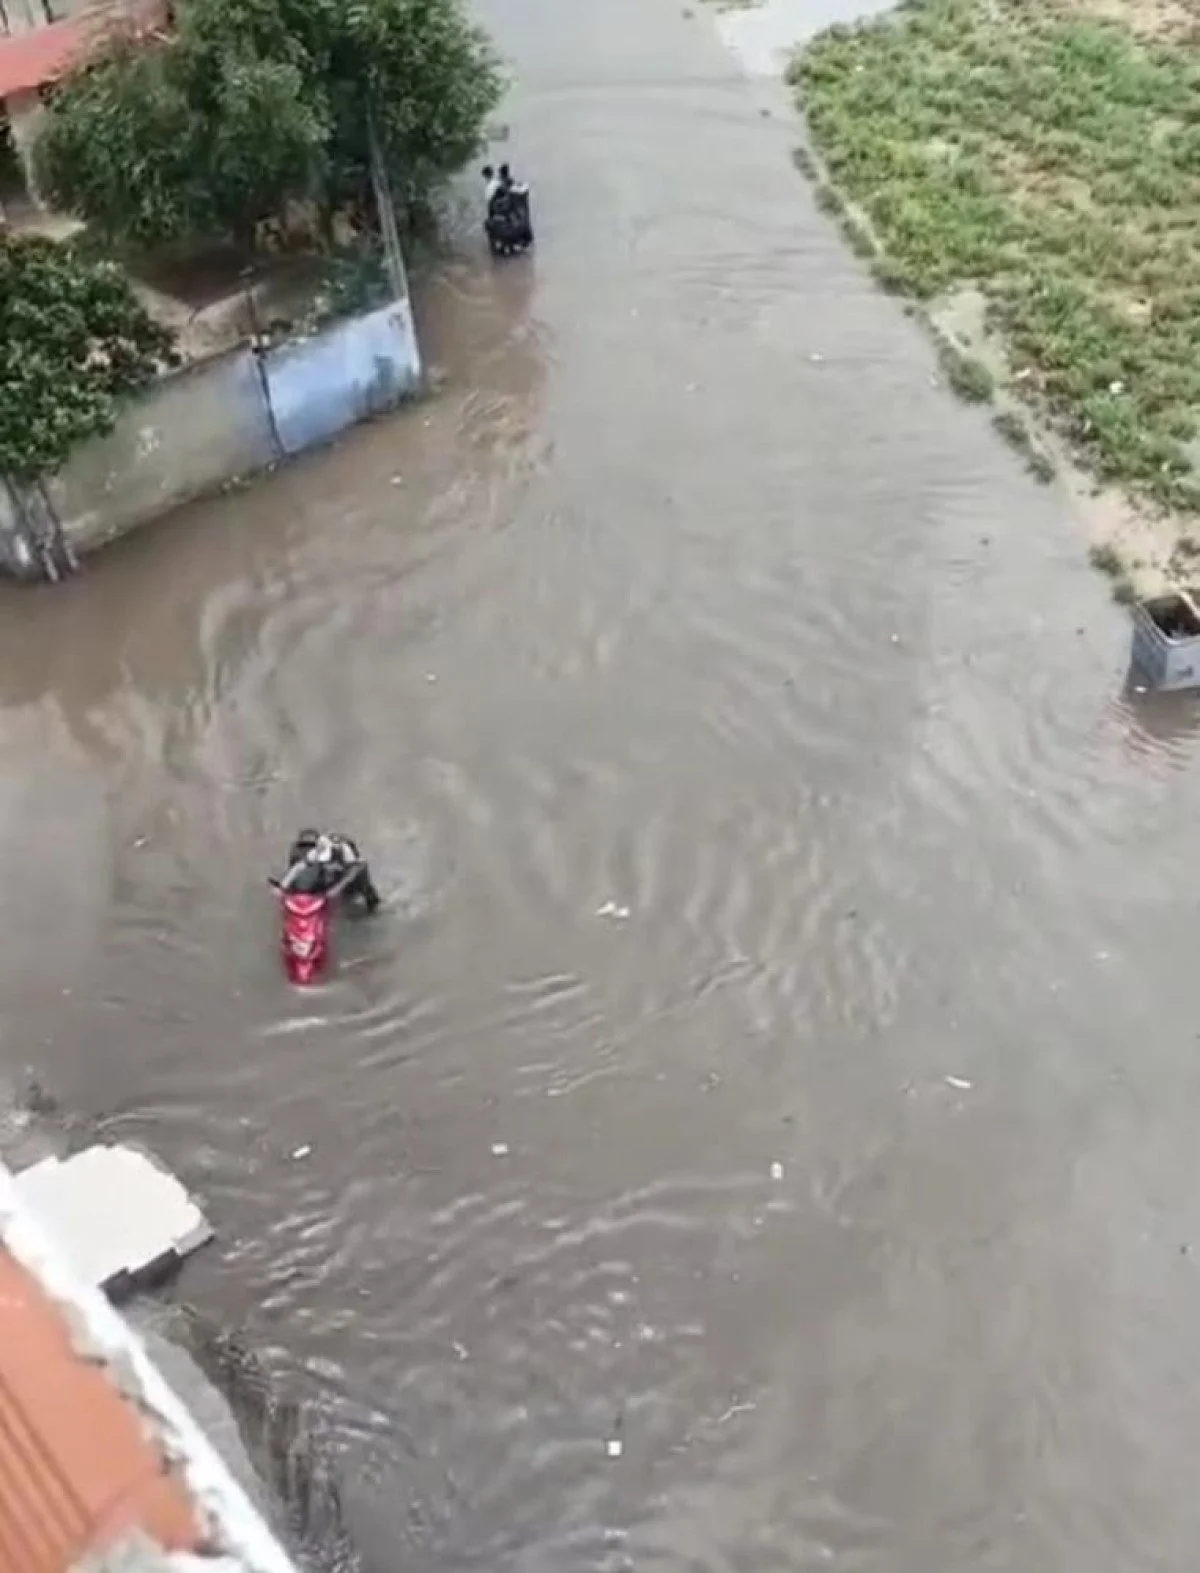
(778, 1055)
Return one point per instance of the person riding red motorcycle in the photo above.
(321, 870)
(328, 864)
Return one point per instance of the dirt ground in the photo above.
(1173, 19)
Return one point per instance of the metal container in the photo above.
(1166, 641)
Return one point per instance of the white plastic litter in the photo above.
(615, 1447)
(958, 1082)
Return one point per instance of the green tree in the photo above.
(74, 340)
(428, 78)
(256, 103)
(159, 146)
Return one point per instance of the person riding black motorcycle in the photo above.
(508, 224)
(321, 864)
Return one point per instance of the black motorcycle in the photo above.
(509, 226)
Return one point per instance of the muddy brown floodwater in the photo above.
(779, 1054)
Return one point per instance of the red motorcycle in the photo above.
(306, 915)
(305, 922)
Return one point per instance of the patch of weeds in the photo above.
(1050, 161)
(355, 280)
(805, 163)
(968, 377)
(1041, 466)
(1016, 434)
(889, 275)
(858, 236)
(1013, 429)
(1105, 557)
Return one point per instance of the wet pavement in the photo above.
(777, 1058)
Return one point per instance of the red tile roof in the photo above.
(41, 55)
(79, 1470)
(45, 54)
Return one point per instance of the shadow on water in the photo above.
(283, 1440)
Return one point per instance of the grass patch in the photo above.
(1050, 161)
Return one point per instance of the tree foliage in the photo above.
(154, 146)
(258, 103)
(74, 340)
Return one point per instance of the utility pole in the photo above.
(392, 252)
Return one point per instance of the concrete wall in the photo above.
(318, 387)
(192, 433)
(17, 551)
(219, 421)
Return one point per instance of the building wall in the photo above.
(225, 419)
(22, 15)
(25, 111)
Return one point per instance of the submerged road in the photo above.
(778, 1060)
